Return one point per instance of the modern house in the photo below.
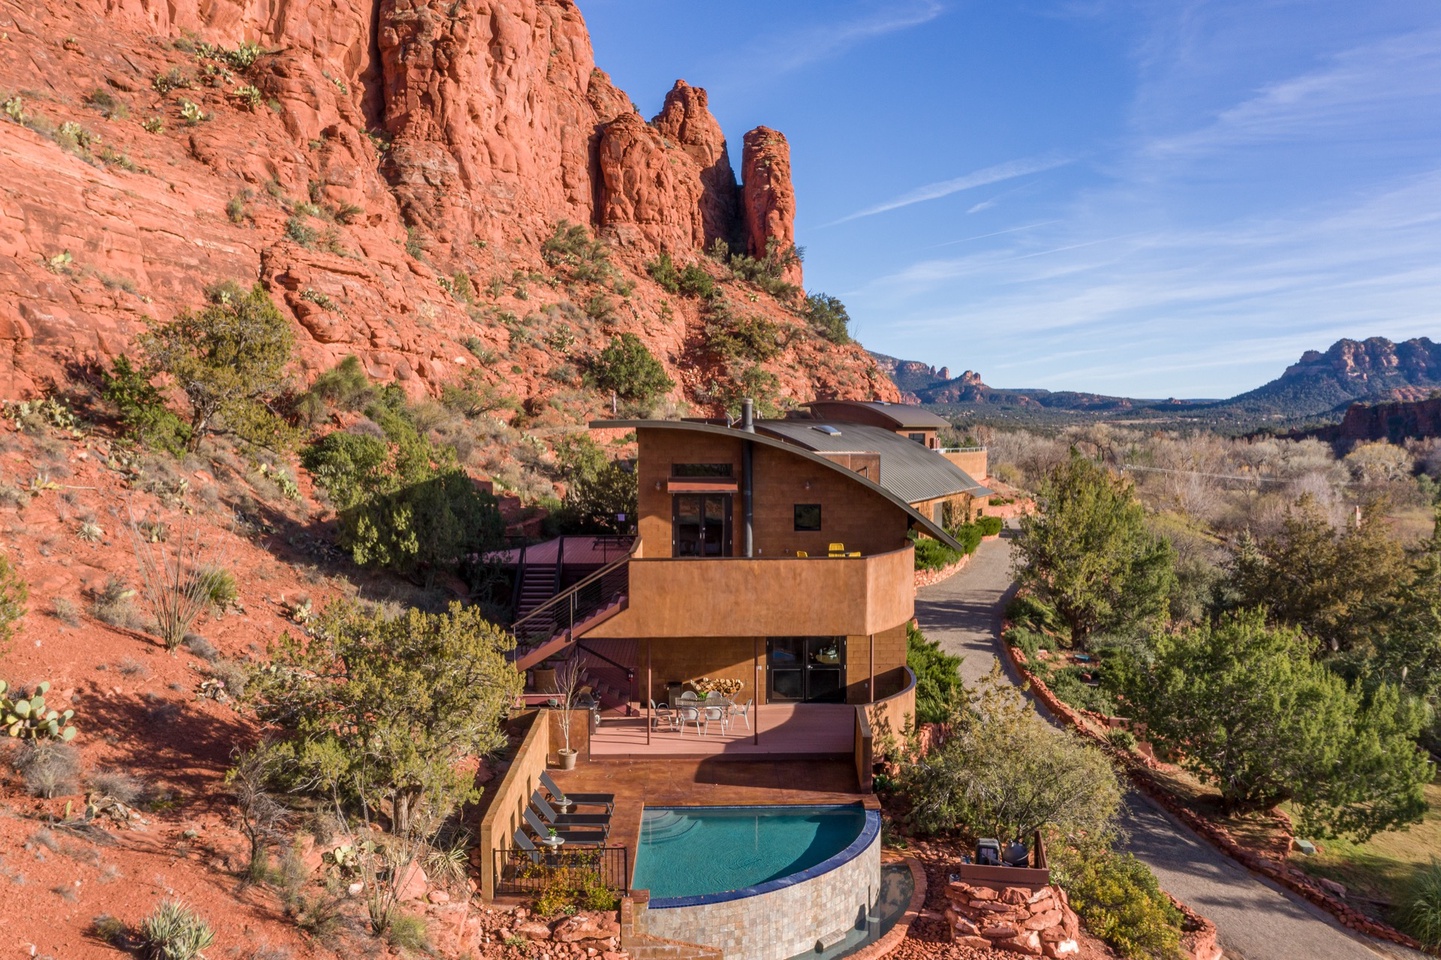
(775, 553)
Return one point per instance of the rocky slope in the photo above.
(389, 169)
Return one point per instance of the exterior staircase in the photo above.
(549, 629)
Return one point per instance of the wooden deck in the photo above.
(786, 730)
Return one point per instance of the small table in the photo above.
(562, 805)
(551, 842)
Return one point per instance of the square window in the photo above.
(808, 516)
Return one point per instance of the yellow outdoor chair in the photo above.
(838, 550)
(802, 555)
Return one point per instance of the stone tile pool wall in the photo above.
(783, 918)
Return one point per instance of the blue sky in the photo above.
(1145, 199)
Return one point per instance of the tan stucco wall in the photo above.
(971, 461)
(511, 798)
(767, 598)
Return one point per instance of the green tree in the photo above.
(598, 489)
(1248, 709)
(230, 361)
(828, 317)
(142, 408)
(628, 368)
(1332, 584)
(1405, 647)
(13, 594)
(403, 502)
(1004, 772)
(1087, 552)
(381, 710)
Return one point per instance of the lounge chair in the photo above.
(557, 795)
(524, 844)
(552, 816)
(568, 834)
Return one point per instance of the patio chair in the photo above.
(802, 555)
(568, 834)
(689, 695)
(743, 710)
(691, 714)
(557, 795)
(715, 713)
(663, 715)
(837, 550)
(553, 818)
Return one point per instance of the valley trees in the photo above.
(1248, 708)
(1088, 553)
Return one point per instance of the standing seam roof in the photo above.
(909, 470)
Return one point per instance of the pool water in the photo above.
(700, 851)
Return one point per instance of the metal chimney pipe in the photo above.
(748, 424)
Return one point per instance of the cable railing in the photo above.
(574, 605)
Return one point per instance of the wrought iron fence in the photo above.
(570, 871)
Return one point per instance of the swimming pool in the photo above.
(690, 852)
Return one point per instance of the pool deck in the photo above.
(708, 782)
(786, 730)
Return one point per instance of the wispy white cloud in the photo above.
(824, 41)
(1009, 170)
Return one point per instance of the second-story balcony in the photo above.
(770, 596)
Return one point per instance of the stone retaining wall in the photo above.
(1031, 922)
(787, 919)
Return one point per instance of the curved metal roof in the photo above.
(918, 519)
(911, 471)
(903, 415)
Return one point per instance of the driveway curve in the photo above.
(1255, 920)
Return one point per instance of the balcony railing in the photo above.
(522, 873)
(575, 605)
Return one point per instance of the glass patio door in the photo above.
(806, 669)
(702, 525)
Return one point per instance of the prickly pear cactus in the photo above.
(24, 715)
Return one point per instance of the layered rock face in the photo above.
(374, 152)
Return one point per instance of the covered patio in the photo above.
(776, 730)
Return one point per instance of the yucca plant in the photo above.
(175, 932)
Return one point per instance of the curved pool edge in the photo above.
(784, 918)
(869, 831)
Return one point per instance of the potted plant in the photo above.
(567, 682)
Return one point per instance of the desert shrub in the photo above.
(111, 930)
(1120, 901)
(990, 526)
(598, 489)
(1067, 684)
(66, 611)
(218, 587)
(631, 370)
(1025, 640)
(49, 768)
(232, 673)
(765, 272)
(114, 604)
(175, 932)
(408, 932)
(177, 586)
(1004, 772)
(663, 271)
(735, 337)
(828, 317)
(13, 594)
(1123, 740)
(201, 647)
(938, 680)
(696, 282)
(230, 361)
(117, 784)
(573, 249)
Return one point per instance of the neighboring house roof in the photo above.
(918, 519)
(913, 472)
(904, 416)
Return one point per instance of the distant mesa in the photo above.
(1318, 385)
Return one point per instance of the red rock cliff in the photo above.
(387, 168)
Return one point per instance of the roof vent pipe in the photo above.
(748, 415)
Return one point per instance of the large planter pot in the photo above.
(567, 758)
